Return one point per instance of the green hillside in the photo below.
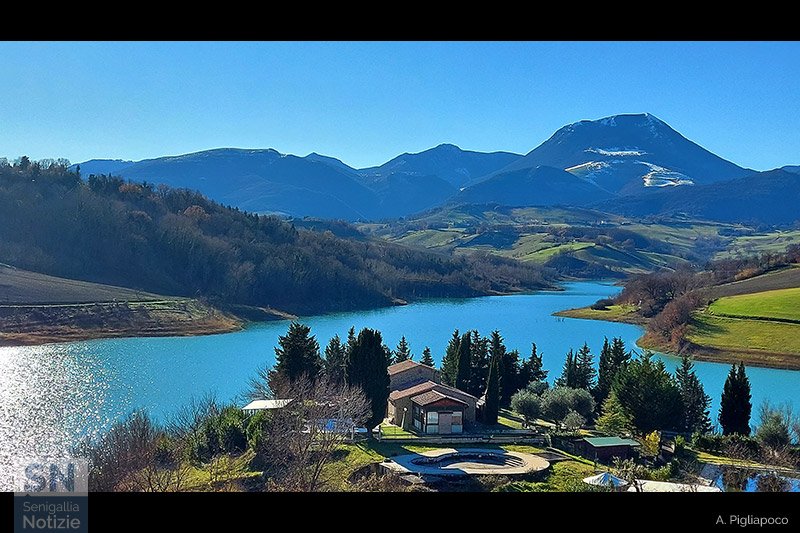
(781, 304)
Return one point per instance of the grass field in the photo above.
(774, 241)
(614, 313)
(781, 304)
(23, 287)
(757, 342)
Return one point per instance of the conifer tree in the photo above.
(427, 358)
(735, 405)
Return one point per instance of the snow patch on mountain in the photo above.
(616, 152)
(664, 177)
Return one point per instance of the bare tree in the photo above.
(302, 438)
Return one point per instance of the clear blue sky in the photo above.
(367, 102)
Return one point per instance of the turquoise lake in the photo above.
(52, 395)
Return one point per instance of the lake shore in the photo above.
(751, 357)
(31, 325)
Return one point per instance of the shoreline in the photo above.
(759, 358)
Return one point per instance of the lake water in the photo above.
(52, 395)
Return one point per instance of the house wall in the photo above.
(606, 453)
(412, 376)
(396, 412)
(471, 401)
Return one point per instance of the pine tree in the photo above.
(297, 354)
(695, 401)
(427, 358)
(649, 395)
(402, 352)
(449, 366)
(735, 405)
(464, 370)
(531, 370)
(584, 367)
(613, 419)
(613, 358)
(366, 368)
(336, 360)
(569, 374)
(492, 405)
(479, 364)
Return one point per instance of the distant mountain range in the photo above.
(624, 163)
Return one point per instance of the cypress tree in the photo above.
(613, 358)
(427, 358)
(497, 350)
(509, 377)
(366, 368)
(449, 366)
(492, 405)
(402, 352)
(464, 366)
(735, 405)
(695, 401)
(297, 354)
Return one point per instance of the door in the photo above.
(445, 423)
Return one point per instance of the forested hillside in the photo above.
(173, 241)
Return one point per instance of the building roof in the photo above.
(260, 405)
(427, 386)
(603, 442)
(433, 396)
(402, 366)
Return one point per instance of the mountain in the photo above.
(101, 166)
(446, 161)
(263, 181)
(628, 154)
(794, 169)
(540, 186)
(763, 198)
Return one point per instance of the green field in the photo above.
(782, 304)
(774, 241)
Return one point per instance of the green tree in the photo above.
(735, 405)
(651, 446)
(402, 352)
(569, 372)
(297, 354)
(427, 358)
(336, 360)
(532, 370)
(649, 395)
(584, 368)
(696, 402)
(613, 419)
(509, 377)
(449, 366)
(492, 405)
(556, 403)
(613, 358)
(775, 429)
(464, 368)
(573, 422)
(479, 364)
(366, 368)
(527, 404)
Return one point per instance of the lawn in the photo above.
(782, 304)
(614, 313)
(744, 334)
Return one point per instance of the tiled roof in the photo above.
(412, 391)
(427, 398)
(402, 366)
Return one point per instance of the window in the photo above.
(433, 417)
(457, 420)
(432, 428)
(417, 423)
(456, 428)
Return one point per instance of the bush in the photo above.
(602, 304)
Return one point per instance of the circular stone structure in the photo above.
(466, 462)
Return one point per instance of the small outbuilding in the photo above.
(266, 405)
(605, 449)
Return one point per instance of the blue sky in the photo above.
(367, 102)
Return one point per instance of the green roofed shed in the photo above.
(605, 449)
